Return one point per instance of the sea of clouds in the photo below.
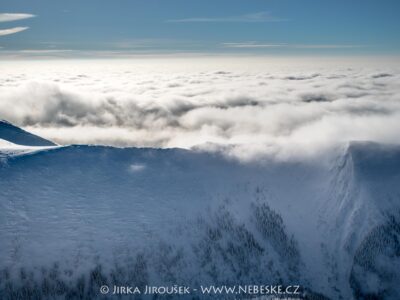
(246, 107)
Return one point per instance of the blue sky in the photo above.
(202, 26)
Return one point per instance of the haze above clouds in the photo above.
(246, 108)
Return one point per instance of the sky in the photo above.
(74, 27)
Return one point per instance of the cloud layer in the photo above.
(279, 110)
(248, 18)
(294, 46)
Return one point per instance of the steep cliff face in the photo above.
(360, 219)
(375, 269)
(74, 218)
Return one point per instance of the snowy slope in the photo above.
(19, 136)
(8, 149)
(73, 218)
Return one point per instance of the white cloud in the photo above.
(252, 45)
(7, 17)
(327, 46)
(248, 18)
(44, 51)
(12, 30)
(296, 46)
(247, 109)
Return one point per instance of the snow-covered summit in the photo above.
(16, 135)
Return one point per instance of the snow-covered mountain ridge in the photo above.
(19, 136)
(76, 217)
